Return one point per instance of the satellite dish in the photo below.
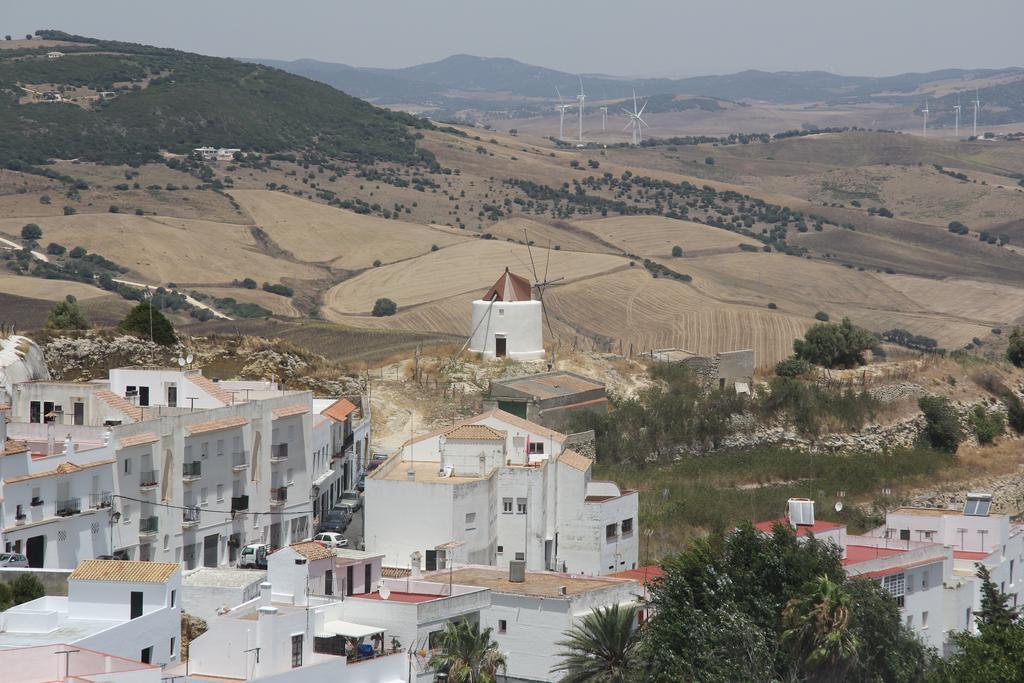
(839, 506)
(383, 590)
(181, 362)
(189, 359)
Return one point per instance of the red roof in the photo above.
(339, 410)
(818, 527)
(879, 573)
(642, 574)
(863, 553)
(510, 287)
(969, 555)
(397, 596)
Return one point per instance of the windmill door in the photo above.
(500, 348)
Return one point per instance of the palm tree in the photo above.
(601, 648)
(467, 654)
(816, 629)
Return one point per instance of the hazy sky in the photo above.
(622, 37)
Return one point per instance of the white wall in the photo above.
(520, 322)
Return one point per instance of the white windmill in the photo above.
(977, 106)
(604, 118)
(636, 121)
(538, 283)
(925, 112)
(956, 112)
(579, 99)
(562, 106)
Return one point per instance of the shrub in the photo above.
(792, 367)
(70, 211)
(773, 306)
(710, 161)
(66, 315)
(833, 345)
(434, 247)
(987, 426)
(55, 249)
(1014, 412)
(78, 252)
(677, 251)
(942, 428)
(1015, 350)
(114, 208)
(144, 318)
(31, 232)
(279, 289)
(822, 316)
(26, 588)
(248, 283)
(384, 307)
(377, 263)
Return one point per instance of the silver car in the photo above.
(8, 560)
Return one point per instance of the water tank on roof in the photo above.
(517, 571)
(801, 511)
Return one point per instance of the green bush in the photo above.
(384, 307)
(1015, 351)
(987, 426)
(143, 319)
(78, 252)
(1014, 412)
(834, 346)
(279, 289)
(942, 428)
(822, 316)
(66, 315)
(793, 367)
(31, 232)
(677, 251)
(55, 249)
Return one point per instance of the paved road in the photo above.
(355, 531)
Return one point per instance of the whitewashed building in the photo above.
(497, 488)
(126, 609)
(507, 322)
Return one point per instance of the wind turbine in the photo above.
(604, 118)
(562, 106)
(977, 106)
(956, 111)
(635, 121)
(579, 99)
(925, 112)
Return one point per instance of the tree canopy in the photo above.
(143, 320)
(834, 346)
(1015, 351)
(66, 315)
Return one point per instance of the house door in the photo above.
(136, 604)
(210, 547)
(35, 550)
(275, 536)
(349, 579)
(500, 348)
(368, 578)
(79, 415)
(143, 396)
(329, 582)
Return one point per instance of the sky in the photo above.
(621, 37)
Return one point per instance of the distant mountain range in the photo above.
(466, 81)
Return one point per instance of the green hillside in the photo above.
(176, 101)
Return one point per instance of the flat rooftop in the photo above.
(397, 596)
(68, 631)
(856, 554)
(550, 384)
(355, 555)
(426, 473)
(537, 584)
(222, 577)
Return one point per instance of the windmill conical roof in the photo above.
(510, 287)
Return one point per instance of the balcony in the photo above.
(239, 503)
(279, 495)
(189, 517)
(239, 461)
(149, 526)
(147, 480)
(66, 508)
(98, 501)
(279, 452)
(191, 471)
(20, 519)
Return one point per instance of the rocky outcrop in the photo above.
(77, 357)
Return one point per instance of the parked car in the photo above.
(331, 539)
(336, 520)
(361, 484)
(8, 560)
(254, 556)
(118, 555)
(352, 500)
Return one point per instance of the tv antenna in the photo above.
(636, 121)
(541, 284)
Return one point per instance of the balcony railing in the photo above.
(191, 471)
(101, 500)
(279, 495)
(66, 508)
(149, 525)
(239, 503)
(278, 452)
(147, 479)
(20, 519)
(189, 516)
(239, 461)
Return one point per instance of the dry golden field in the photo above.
(654, 236)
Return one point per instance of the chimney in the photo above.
(483, 465)
(51, 438)
(801, 512)
(265, 594)
(69, 447)
(414, 565)
(265, 638)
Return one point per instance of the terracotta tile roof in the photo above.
(510, 287)
(289, 411)
(395, 572)
(121, 405)
(124, 570)
(13, 447)
(4, 407)
(210, 387)
(508, 418)
(475, 433)
(648, 574)
(339, 410)
(311, 550)
(139, 439)
(63, 468)
(214, 425)
(575, 460)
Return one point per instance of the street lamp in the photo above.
(115, 517)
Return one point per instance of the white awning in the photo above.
(350, 630)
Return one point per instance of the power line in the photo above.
(197, 508)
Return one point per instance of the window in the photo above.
(611, 531)
(521, 506)
(220, 446)
(520, 556)
(172, 647)
(924, 580)
(127, 465)
(502, 626)
(910, 621)
(506, 506)
(470, 517)
(289, 476)
(627, 527)
(136, 604)
(174, 597)
(203, 495)
(220, 493)
(967, 619)
(204, 450)
(146, 656)
(501, 312)
(924, 619)
(536, 448)
(896, 584)
(501, 549)
(296, 651)
(35, 411)
(904, 534)
(126, 513)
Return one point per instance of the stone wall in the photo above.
(584, 443)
